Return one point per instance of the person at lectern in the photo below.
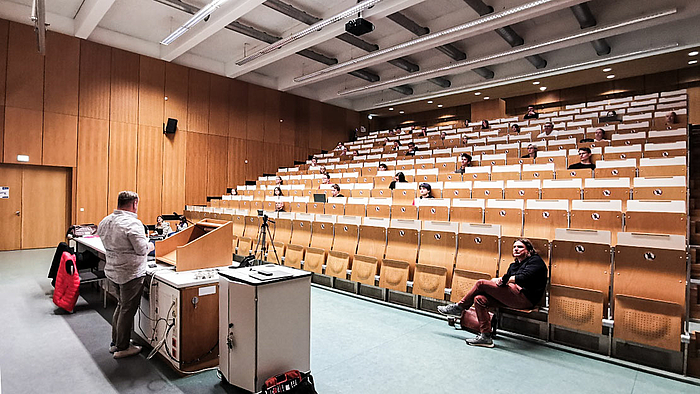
(126, 247)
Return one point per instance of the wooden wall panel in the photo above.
(333, 126)
(25, 70)
(124, 87)
(315, 134)
(176, 83)
(196, 170)
(238, 109)
(151, 91)
(256, 113)
(198, 101)
(236, 162)
(258, 159)
(174, 162)
(11, 176)
(2, 134)
(694, 105)
(302, 122)
(272, 116)
(60, 143)
(95, 62)
(62, 74)
(218, 106)
(22, 134)
(217, 173)
(122, 161)
(149, 178)
(92, 170)
(288, 108)
(488, 109)
(4, 33)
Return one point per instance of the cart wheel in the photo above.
(451, 321)
(220, 375)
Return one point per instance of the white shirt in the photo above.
(126, 246)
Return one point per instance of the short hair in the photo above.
(425, 186)
(517, 126)
(126, 198)
(585, 149)
(549, 124)
(532, 145)
(327, 175)
(466, 156)
(382, 165)
(336, 187)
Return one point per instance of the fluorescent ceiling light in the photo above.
(486, 97)
(391, 108)
(543, 88)
(400, 112)
(439, 105)
(607, 69)
(311, 29)
(196, 18)
(692, 61)
(477, 93)
(694, 53)
(469, 64)
(430, 101)
(536, 83)
(611, 76)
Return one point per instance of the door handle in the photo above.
(17, 213)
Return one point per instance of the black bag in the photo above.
(62, 247)
(292, 382)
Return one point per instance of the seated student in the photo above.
(163, 227)
(531, 152)
(422, 133)
(515, 128)
(340, 146)
(278, 180)
(465, 140)
(531, 114)
(182, 224)
(279, 206)
(611, 116)
(425, 190)
(314, 162)
(485, 124)
(382, 167)
(396, 146)
(277, 192)
(234, 192)
(465, 161)
(522, 287)
(326, 179)
(585, 156)
(599, 135)
(335, 191)
(412, 149)
(547, 131)
(671, 118)
(399, 177)
(443, 134)
(322, 170)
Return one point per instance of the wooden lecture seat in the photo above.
(597, 215)
(478, 252)
(506, 213)
(436, 257)
(399, 262)
(344, 247)
(542, 217)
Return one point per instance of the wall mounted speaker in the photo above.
(170, 127)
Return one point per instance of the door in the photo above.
(45, 213)
(11, 207)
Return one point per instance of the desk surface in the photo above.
(92, 242)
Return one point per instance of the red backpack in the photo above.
(67, 283)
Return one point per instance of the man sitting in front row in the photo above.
(585, 155)
(466, 161)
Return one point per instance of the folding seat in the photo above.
(480, 173)
(562, 189)
(355, 206)
(669, 149)
(622, 152)
(633, 127)
(246, 205)
(579, 295)
(298, 205)
(628, 139)
(424, 152)
(527, 189)
(505, 173)
(399, 262)
(501, 139)
(616, 168)
(659, 188)
(657, 217)
(606, 189)
(362, 189)
(349, 177)
(238, 221)
(379, 207)
(467, 210)
(257, 205)
(427, 175)
(477, 257)
(649, 289)
(311, 207)
(597, 215)
(446, 165)
(449, 177)
(404, 211)
(542, 217)
(556, 157)
(424, 164)
(538, 171)
(666, 136)
(384, 178)
(571, 134)
(443, 153)
(321, 243)
(524, 138)
(488, 189)
(493, 159)
(667, 166)
(433, 209)
(344, 246)
(258, 194)
(370, 250)
(282, 233)
(457, 189)
(510, 150)
(404, 193)
(381, 192)
(436, 258)
(561, 144)
(335, 205)
(506, 213)
(250, 233)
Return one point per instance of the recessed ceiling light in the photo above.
(606, 70)
(692, 61)
(486, 97)
(439, 105)
(430, 101)
(477, 93)
(536, 83)
(400, 112)
(369, 116)
(543, 88)
(694, 53)
(391, 108)
(611, 76)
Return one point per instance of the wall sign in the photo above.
(4, 192)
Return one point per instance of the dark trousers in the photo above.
(128, 299)
(486, 294)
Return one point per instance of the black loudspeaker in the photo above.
(170, 127)
(359, 26)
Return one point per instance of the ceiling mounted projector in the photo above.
(359, 26)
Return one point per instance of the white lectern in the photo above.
(264, 323)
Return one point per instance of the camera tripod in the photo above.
(261, 239)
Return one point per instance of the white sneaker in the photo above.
(131, 351)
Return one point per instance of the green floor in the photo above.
(357, 347)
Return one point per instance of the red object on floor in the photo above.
(67, 283)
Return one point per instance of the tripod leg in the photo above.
(272, 239)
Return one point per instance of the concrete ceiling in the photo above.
(549, 29)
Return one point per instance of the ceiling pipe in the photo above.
(403, 89)
(585, 19)
(484, 72)
(441, 82)
(365, 74)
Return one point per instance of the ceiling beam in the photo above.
(585, 19)
(410, 25)
(227, 13)
(89, 15)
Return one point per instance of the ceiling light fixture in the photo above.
(426, 38)
(391, 108)
(486, 97)
(692, 61)
(439, 105)
(196, 18)
(477, 93)
(487, 60)
(311, 29)
(611, 76)
(401, 112)
(693, 53)
(543, 88)
(607, 70)
(536, 83)
(430, 101)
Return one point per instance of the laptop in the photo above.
(318, 197)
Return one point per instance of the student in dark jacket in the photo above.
(522, 287)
